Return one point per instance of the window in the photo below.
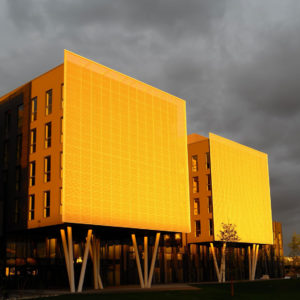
(33, 109)
(17, 211)
(195, 185)
(61, 164)
(31, 206)
(48, 135)
(32, 173)
(19, 148)
(62, 95)
(210, 205)
(5, 154)
(211, 227)
(196, 206)
(61, 129)
(198, 228)
(60, 200)
(47, 169)
(33, 140)
(209, 182)
(18, 178)
(48, 102)
(207, 160)
(46, 204)
(195, 163)
(20, 115)
(7, 122)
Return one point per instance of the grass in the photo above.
(270, 289)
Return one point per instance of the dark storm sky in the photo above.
(237, 63)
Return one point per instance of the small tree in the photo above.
(227, 234)
(294, 246)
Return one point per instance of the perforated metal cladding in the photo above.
(125, 153)
(240, 189)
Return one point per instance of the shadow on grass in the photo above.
(270, 289)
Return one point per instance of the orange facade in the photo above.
(46, 121)
(200, 190)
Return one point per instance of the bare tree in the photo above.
(228, 234)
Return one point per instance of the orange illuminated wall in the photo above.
(124, 151)
(240, 190)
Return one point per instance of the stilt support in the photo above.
(85, 257)
(146, 280)
(252, 256)
(68, 251)
(95, 256)
(215, 262)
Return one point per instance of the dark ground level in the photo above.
(268, 289)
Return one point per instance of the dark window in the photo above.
(7, 122)
(33, 140)
(211, 227)
(196, 206)
(19, 148)
(207, 160)
(48, 133)
(62, 95)
(61, 164)
(209, 182)
(33, 109)
(47, 169)
(198, 228)
(46, 204)
(32, 173)
(31, 207)
(210, 208)
(61, 129)
(5, 154)
(20, 115)
(195, 184)
(18, 179)
(17, 211)
(49, 102)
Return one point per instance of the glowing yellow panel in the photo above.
(240, 189)
(125, 153)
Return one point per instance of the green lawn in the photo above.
(272, 289)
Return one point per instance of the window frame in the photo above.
(48, 103)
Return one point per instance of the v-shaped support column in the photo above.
(252, 257)
(68, 251)
(146, 280)
(219, 271)
(95, 256)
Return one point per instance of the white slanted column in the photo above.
(250, 264)
(85, 258)
(95, 256)
(68, 251)
(145, 280)
(137, 258)
(153, 259)
(71, 261)
(223, 262)
(146, 260)
(215, 262)
(255, 255)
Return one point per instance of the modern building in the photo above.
(105, 156)
(229, 184)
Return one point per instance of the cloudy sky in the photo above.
(237, 63)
